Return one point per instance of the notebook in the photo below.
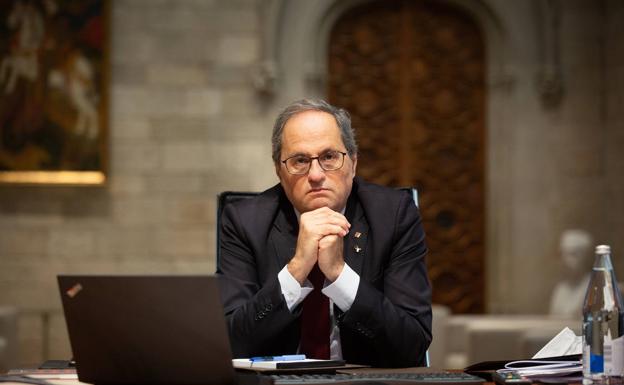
(147, 329)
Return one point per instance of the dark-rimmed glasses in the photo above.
(300, 164)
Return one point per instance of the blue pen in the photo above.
(286, 357)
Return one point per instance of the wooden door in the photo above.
(411, 73)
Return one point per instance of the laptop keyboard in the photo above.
(387, 378)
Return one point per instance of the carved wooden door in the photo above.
(411, 73)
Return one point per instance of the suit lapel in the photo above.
(356, 240)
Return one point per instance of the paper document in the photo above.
(565, 343)
(530, 368)
(46, 374)
(246, 363)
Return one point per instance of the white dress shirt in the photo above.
(341, 292)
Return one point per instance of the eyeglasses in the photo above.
(300, 164)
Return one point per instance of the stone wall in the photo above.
(559, 173)
(558, 168)
(613, 111)
(186, 123)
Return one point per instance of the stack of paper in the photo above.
(566, 343)
(246, 363)
(531, 368)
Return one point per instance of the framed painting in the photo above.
(54, 91)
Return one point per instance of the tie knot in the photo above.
(316, 277)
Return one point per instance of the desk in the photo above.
(252, 378)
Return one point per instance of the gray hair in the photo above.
(342, 119)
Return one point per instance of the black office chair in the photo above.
(412, 191)
(224, 199)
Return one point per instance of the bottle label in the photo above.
(596, 363)
(614, 357)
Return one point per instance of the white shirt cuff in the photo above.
(292, 291)
(343, 290)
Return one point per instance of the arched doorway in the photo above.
(412, 75)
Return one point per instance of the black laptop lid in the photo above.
(147, 329)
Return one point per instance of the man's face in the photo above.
(311, 133)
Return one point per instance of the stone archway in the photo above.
(295, 46)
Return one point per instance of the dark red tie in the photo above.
(315, 319)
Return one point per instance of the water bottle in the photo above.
(603, 323)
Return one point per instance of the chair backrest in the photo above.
(224, 199)
(412, 191)
(8, 337)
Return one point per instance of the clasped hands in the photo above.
(320, 239)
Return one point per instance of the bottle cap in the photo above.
(603, 249)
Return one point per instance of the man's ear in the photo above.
(354, 160)
(277, 171)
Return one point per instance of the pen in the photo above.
(286, 357)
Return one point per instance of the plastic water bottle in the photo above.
(603, 323)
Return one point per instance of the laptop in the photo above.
(147, 329)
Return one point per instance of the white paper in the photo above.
(563, 344)
(246, 363)
(542, 368)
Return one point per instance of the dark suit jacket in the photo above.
(389, 323)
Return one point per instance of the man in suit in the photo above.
(324, 263)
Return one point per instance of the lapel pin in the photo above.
(357, 234)
(357, 248)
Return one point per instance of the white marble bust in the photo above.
(576, 250)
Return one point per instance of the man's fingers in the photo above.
(323, 212)
(324, 216)
(328, 240)
(331, 229)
